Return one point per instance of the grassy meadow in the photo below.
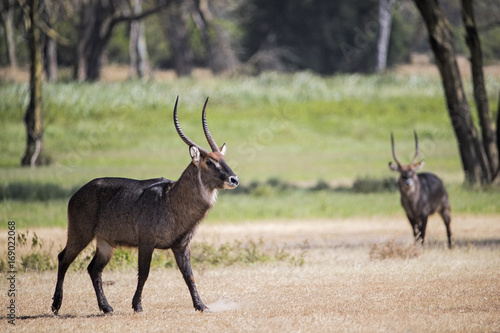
(298, 142)
(313, 239)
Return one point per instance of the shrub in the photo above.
(372, 185)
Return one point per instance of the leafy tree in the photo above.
(324, 36)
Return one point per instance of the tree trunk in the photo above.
(220, 55)
(498, 134)
(480, 95)
(474, 160)
(97, 21)
(177, 32)
(84, 36)
(51, 59)
(98, 18)
(8, 19)
(49, 16)
(33, 116)
(100, 33)
(385, 20)
(137, 45)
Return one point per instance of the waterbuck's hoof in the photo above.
(108, 310)
(137, 308)
(56, 305)
(202, 308)
(54, 310)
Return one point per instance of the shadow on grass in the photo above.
(34, 191)
(360, 185)
(478, 243)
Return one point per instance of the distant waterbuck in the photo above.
(147, 214)
(422, 194)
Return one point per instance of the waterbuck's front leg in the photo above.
(415, 227)
(145, 255)
(183, 258)
(423, 226)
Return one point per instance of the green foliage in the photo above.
(31, 254)
(324, 37)
(118, 46)
(371, 185)
(38, 257)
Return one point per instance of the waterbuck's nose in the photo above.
(408, 182)
(234, 180)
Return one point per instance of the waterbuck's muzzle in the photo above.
(232, 182)
(408, 182)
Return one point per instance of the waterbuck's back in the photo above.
(433, 195)
(114, 208)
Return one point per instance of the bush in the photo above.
(371, 185)
(31, 191)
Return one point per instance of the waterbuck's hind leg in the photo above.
(145, 255)
(103, 254)
(183, 259)
(446, 215)
(66, 257)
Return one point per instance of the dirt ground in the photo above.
(338, 288)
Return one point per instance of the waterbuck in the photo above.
(147, 214)
(422, 194)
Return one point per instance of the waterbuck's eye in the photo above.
(212, 164)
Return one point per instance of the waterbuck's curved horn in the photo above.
(394, 151)
(209, 137)
(181, 133)
(416, 148)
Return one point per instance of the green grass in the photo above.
(297, 128)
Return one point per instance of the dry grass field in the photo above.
(339, 287)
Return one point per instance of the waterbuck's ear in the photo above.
(393, 167)
(195, 154)
(418, 166)
(223, 149)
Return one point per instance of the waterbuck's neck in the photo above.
(190, 198)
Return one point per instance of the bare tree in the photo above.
(33, 116)
(385, 10)
(474, 159)
(98, 18)
(480, 95)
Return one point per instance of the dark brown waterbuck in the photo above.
(147, 214)
(422, 194)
